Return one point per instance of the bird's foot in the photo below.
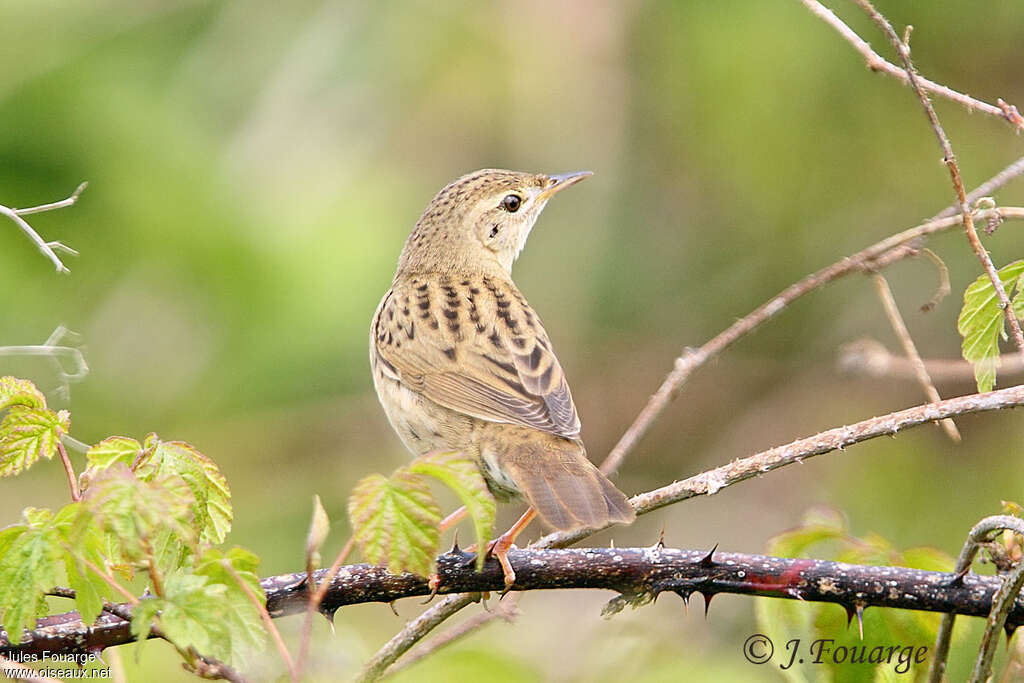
(498, 549)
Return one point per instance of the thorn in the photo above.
(860, 620)
(1009, 629)
(685, 595)
(661, 538)
(611, 542)
(958, 580)
(707, 560)
(850, 611)
(484, 597)
(707, 602)
(329, 612)
(391, 604)
(456, 550)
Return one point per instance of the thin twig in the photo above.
(76, 495)
(261, 607)
(1002, 602)
(876, 62)
(866, 260)
(47, 248)
(944, 287)
(981, 533)
(892, 312)
(870, 357)
(316, 597)
(506, 609)
(954, 170)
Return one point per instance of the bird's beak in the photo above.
(561, 181)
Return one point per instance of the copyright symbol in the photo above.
(758, 649)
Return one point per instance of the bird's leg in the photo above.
(499, 547)
(452, 519)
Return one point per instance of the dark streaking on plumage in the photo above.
(462, 362)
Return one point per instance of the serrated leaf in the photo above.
(113, 450)
(27, 434)
(28, 569)
(242, 617)
(982, 322)
(319, 527)
(83, 541)
(14, 391)
(462, 475)
(395, 522)
(141, 515)
(192, 614)
(212, 498)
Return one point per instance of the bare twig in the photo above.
(892, 311)
(954, 170)
(944, 287)
(76, 495)
(980, 534)
(866, 260)
(317, 591)
(48, 249)
(870, 357)
(876, 62)
(506, 609)
(713, 481)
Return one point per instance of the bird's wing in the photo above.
(474, 345)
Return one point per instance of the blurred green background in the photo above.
(254, 168)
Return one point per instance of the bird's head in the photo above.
(480, 220)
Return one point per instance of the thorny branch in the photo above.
(903, 49)
(638, 575)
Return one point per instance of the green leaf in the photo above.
(395, 522)
(982, 322)
(20, 392)
(28, 568)
(28, 433)
(462, 475)
(111, 451)
(193, 614)
(212, 498)
(143, 615)
(141, 514)
(319, 527)
(83, 542)
(234, 569)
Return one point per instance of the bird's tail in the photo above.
(563, 486)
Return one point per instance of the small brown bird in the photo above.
(461, 362)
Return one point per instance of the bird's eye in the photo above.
(511, 203)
